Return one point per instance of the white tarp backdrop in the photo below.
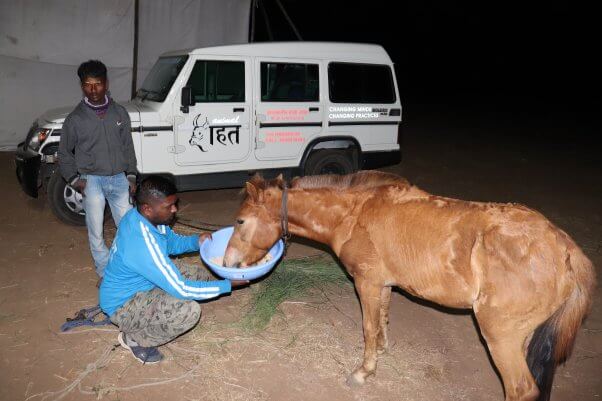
(42, 42)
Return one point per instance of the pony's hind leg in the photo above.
(370, 299)
(506, 343)
(382, 341)
(509, 358)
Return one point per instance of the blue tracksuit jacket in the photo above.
(139, 262)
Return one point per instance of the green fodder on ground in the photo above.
(293, 278)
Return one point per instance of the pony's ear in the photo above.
(257, 180)
(279, 181)
(255, 187)
(251, 190)
(254, 192)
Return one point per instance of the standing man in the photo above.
(144, 292)
(96, 156)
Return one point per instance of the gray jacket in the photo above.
(91, 145)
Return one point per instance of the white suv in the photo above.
(210, 117)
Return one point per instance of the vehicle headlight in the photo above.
(38, 138)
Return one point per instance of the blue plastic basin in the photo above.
(216, 248)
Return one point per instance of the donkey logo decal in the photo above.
(225, 133)
(199, 132)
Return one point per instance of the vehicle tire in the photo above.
(329, 161)
(65, 202)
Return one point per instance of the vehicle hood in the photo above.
(54, 116)
(58, 115)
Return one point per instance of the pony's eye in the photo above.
(239, 221)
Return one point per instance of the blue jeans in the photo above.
(99, 190)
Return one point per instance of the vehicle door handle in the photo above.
(314, 109)
(238, 109)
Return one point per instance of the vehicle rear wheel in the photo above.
(329, 161)
(66, 203)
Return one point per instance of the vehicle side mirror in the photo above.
(187, 99)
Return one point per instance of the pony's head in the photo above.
(258, 222)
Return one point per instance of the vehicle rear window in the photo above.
(360, 83)
(289, 82)
(218, 81)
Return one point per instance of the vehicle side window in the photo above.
(218, 81)
(360, 83)
(289, 82)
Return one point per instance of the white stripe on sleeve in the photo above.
(175, 283)
(169, 267)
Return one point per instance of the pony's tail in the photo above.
(553, 340)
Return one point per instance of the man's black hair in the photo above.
(92, 69)
(154, 188)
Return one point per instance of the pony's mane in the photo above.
(359, 180)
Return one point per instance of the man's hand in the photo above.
(80, 186)
(131, 177)
(203, 237)
(132, 187)
(239, 283)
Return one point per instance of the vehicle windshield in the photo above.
(158, 82)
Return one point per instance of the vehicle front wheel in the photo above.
(329, 161)
(66, 203)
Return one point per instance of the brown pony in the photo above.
(528, 283)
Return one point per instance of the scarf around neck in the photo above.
(100, 109)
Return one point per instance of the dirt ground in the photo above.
(546, 160)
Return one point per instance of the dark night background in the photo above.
(506, 55)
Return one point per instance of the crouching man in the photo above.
(143, 292)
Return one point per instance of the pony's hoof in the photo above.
(381, 351)
(355, 380)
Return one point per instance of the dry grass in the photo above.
(289, 318)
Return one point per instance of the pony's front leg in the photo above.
(382, 341)
(370, 299)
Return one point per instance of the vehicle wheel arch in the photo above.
(355, 149)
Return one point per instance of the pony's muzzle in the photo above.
(232, 258)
